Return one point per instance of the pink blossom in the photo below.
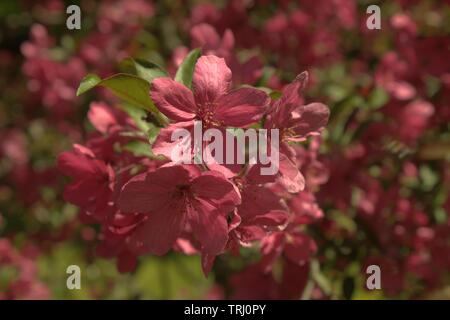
(174, 196)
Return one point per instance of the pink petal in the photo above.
(207, 263)
(160, 231)
(227, 40)
(173, 99)
(80, 149)
(212, 79)
(81, 192)
(289, 175)
(272, 218)
(212, 185)
(204, 36)
(313, 118)
(126, 262)
(209, 226)
(79, 166)
(300, 249)
(248, 72)
(101, 116)
(254, 175)
(271, 249)
(241, 107)
(291, 95)
(163, 144)
(280, 113)
(152, 192)
(257, 200)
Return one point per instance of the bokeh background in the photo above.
(383, 173)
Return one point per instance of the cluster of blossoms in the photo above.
(150, 206)
(41, 116)
(373, 188)
(409, 240)
(374, 178)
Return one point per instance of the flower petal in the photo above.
(241, 107)
(314, 117)
(209, 225)
(300, 249)
(160, 231)
(152, 191)
(164, 144)
(257, 200)
(173, 99)
(212, 79)
(291, 95)
(79, 166)
(207, 263)
(213, 186)
(289, 175)
(204, 36)
(271, 218)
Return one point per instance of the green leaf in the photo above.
(378, 98)
(88, 82)
(138, 115)
(144, 69)
(186, 69)
(139, 148)
(428, 177)
(172, 277)
(130, 88)
(321, 280)
(275, 95)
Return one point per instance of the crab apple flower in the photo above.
(93, 179)
(106, 119)
(260, 210)
(256, 199)
(111, 124)
(206, 37)
(295, 246)
(173, 196)
(253, 228)
(115, 231)
(211, 101)
(295, 121)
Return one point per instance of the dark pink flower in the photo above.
(93, 179)
(294, 246)
(295, 121)
(204, 36)
(211, 101)
(174, 196)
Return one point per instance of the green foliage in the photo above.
(185, 71)
(144, 69)
(132, 89)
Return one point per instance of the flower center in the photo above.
(205, 113)
(181, 191)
